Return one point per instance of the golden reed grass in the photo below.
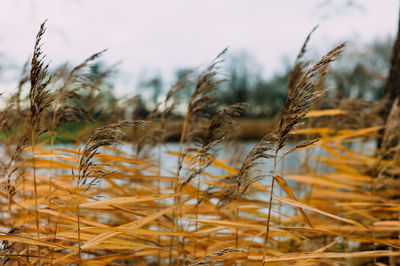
(99, 204)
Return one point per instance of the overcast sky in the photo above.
(165, 35)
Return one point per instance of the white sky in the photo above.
(165, 35)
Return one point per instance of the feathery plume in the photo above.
(100, 137)
(39, 95)
(300, 64)
(303, 96)
(219, 126)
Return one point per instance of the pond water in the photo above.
(292, 163)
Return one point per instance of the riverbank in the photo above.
(244, 130)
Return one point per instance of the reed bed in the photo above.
(98, 203)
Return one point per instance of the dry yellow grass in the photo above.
(97, 204)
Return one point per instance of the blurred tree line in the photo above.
(359, 74)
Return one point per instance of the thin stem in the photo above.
(269, 208)
(35, 185)
(78, 213)
(79, 233)
(9, 207)
(237, 219)
(373, 229)
(53, 128)
(197, 215)
(158, 202)
(177, 199)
